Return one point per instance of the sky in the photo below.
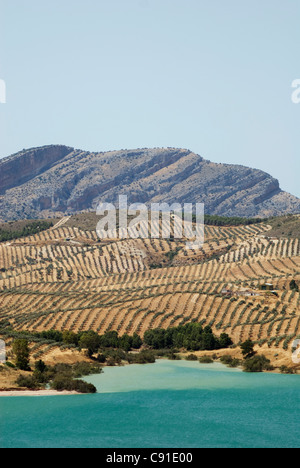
(212, 76)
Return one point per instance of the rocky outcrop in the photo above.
(57, 180)
(21, 167)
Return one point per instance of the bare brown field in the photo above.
(66, 279)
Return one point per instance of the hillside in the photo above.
(64, 278)
(54, 181)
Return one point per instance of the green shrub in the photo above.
(191, 357)
(101, 358)
(257, 364)
(230, 361)
(234, 363)
(27, 382)
(61, 383)
(226, 359)
(287, 370)
(81, 369)
(206, 360)
(144, 357)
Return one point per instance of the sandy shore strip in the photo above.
(13, 393)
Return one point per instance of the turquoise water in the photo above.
(170, 404)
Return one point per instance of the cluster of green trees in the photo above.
(91, 341)
(115, 357)
(112, 349)
(251, 362)
(258, 363)
(191, 336)
(214, 220)
(60, 377)
(230, 361)
(28, 230)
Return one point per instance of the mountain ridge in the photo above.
(56, 180)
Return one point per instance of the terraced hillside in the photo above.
(65, 278)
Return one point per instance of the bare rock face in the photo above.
(57, 180)
(21, 167)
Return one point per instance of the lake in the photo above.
(169, 404)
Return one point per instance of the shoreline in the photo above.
(15, 393)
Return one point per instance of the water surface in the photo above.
(170, 404)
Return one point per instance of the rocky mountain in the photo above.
(56, 180)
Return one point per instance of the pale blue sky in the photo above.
(213, 76)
